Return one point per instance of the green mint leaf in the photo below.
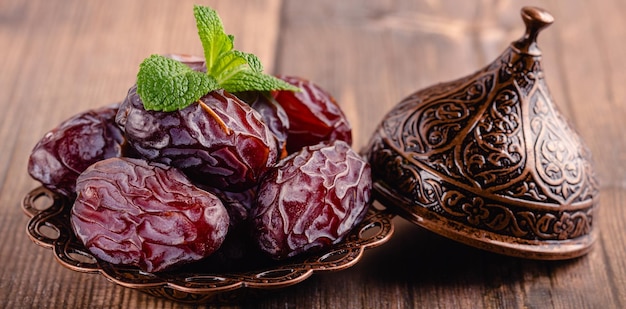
(246, 79)
(253, 61)
(239, 71)
(164, 84)
(232, 62)
(226, 64)
(211, 31)
(232, 69)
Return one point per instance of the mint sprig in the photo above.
(164, 84)
(214, 40)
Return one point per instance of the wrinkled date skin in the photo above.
(220, 142)
(311, 200)
(272, 113)
(314, 115)
(238, 204)
(148, 215)
(64, 152)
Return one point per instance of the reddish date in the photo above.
(311, 200)
(64, 152)
(314, 115)
(219, 141)
(272, 113)
(157, 190)
(130, 212)
(238, 204)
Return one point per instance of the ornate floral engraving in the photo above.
(525, 189)
(439, 120)
(401, 175)
(461, 148)
(558, 157)
(505, 219)
(495, 153)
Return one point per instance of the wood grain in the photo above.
(63, 56)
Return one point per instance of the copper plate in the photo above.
(49, 227)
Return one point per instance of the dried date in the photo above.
(130, 212)
(67, 150)
(219, 141)
(272, 113)
(238, 204)
(311, 200)
(314, 115)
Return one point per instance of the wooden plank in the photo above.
(588, 64)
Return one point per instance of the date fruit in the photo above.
(272, 113)
(132, 212)
(311, 200)
(314, 115)
(238, 204)
(67, 150)
(219, 141)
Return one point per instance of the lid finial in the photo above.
(535, 19)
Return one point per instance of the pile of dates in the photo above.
(161, 189)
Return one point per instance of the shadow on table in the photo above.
(416, 255)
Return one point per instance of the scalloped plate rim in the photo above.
(296, 271)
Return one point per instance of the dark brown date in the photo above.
(219, 141)
(238, 204)
(238, 253)
(311, 200)
(314, 115)
(272, 113)
(67, 150)
(130, 212)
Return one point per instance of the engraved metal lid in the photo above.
(489, 161)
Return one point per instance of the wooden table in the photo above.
(63, 56)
